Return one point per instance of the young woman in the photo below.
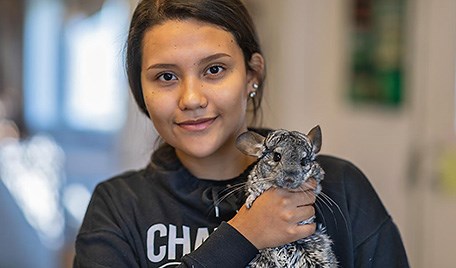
(195, 69)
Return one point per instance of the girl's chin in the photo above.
(200, 147)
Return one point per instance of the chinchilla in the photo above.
(287, 159)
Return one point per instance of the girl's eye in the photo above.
(277, 157)
(213, 70)
(167, 77)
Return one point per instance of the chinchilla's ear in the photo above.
(315, 137)
(250, 143)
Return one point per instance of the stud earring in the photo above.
(255, 86)
(252, 94)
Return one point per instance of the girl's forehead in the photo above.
(188, 38)
(188, 31)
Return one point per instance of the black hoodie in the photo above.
(163, 216)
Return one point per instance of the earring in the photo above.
(252, 94)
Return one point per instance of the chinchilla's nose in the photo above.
(292, 171)
(290, 178)
(289, 182)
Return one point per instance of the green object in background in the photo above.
(376, 53)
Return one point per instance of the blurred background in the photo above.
(377, 75)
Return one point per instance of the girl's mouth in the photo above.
(197, 124)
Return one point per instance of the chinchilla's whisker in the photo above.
(321, 200)
(233, 189)
(309, 190)
(230, 191)
(233, 186)
(224, 194)
(238, 187)
(318, 208)
(328, 202)
(334, 204)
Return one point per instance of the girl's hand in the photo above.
(274, 216)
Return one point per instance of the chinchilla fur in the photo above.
(287, 159)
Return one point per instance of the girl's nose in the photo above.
(192, 95)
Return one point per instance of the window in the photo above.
(95, 87)
(73, 67)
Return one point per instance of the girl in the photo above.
(195, 69)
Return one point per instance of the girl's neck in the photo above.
(222, 166)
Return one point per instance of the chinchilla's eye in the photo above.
(277, 157)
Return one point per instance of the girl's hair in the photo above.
(230, 15)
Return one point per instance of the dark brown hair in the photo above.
(231, 15)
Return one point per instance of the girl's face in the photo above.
(195, 85)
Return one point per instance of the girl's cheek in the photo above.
(149, 99)
(159, 102)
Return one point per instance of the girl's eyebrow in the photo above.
(200, 62)
(213, 57)
(161, 66)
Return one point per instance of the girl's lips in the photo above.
(197, 125)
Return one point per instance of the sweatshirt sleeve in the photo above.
(226, 247)
(384, 248)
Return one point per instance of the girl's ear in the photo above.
(255, 73)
